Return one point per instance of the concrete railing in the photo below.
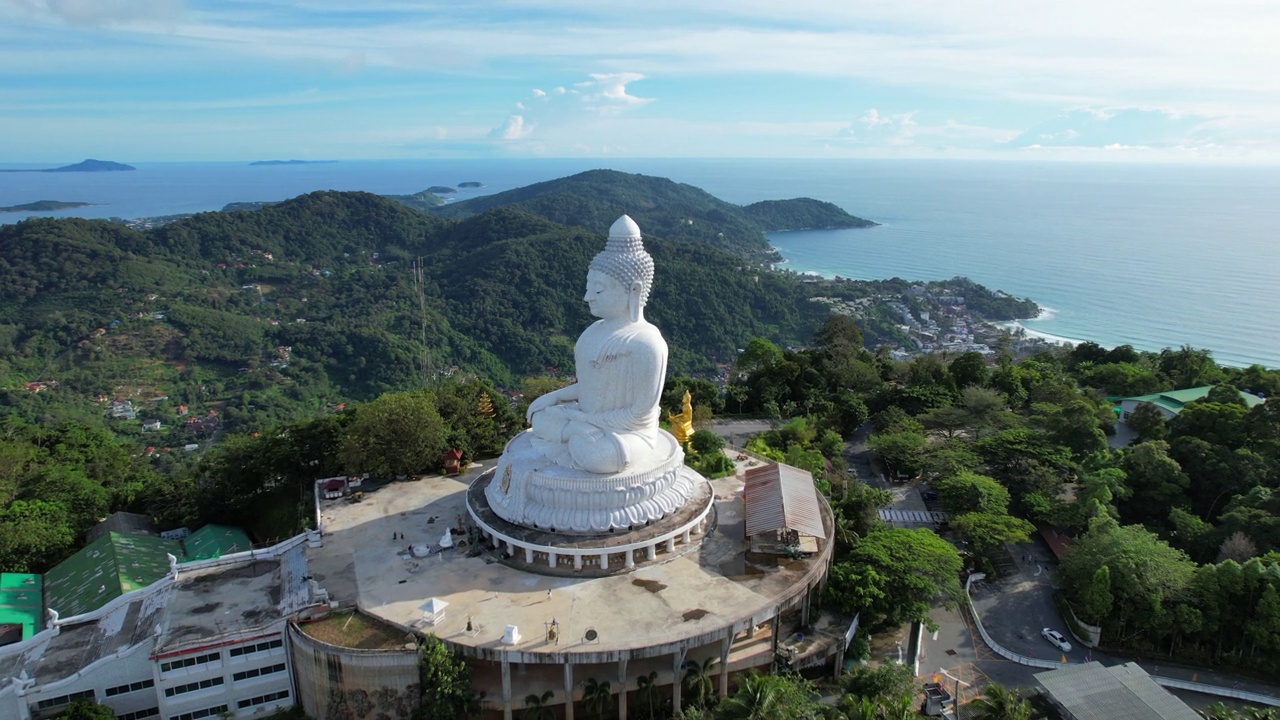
(267, 553)
(1218, 690)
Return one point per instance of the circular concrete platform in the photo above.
(539, 550)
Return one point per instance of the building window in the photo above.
(65, 699)
(130, 687)
(260, 647)
(258, 672)
(187, 662)
(139, 714)
(197, 714)
(192, 687)
(262, 699)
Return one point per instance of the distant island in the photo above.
(470, 184)
(89, 165)
(44, 206)
(441, 189)
(92, 165)
(292, 162)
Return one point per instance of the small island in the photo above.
(424, 200)
(441, 189)
(470, 184)
(92, 165)
(89, 165)
(44, 206)
(292, 162)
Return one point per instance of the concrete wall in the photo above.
(131, 664)
(337, 683)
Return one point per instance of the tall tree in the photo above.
(1148, 422)
(969, 492)
(444, 682)
(538, 707)
(894, 575)
(397, 434)
(698, 681)
(597, 697)
(1000, 703)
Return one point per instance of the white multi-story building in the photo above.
(206, 640)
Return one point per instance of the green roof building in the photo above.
(213, 541)
(107, 568)
(21, 606)
(1171, 403)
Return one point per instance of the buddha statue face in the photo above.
(607, 298)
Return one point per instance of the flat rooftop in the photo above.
(205, 605)
(365, 557)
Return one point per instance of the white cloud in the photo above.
(514, 128)
(1121, 127)
(558, 91)
(608, 91)
(908, 129)
(104, 12)
(539, 93)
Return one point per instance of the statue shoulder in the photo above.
(646, 335)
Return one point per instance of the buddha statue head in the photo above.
(624, 260)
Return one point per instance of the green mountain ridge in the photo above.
(663, 208)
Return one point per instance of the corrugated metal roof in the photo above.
(21, 602)
(780, 497)
(1174, 400)
(105, 569)
(213, 541)
(1094, 692)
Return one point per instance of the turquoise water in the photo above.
(1149, 255)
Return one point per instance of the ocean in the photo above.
(1148, 255)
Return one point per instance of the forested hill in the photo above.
(802, 214)
(313, 300)
(663, 208)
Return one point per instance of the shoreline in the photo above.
(1019, 325)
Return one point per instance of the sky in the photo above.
(196, 80)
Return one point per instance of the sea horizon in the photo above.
(1148, 254)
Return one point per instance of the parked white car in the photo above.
(1056, 639)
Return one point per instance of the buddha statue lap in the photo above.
(594, 459)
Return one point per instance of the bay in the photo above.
(1149, 255)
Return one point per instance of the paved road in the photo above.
(738, 432)
(1015, 608)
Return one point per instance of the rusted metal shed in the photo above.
(781, 497)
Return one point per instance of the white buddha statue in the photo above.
(608, 420)
(594, 459)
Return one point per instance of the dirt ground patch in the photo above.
(355, 630)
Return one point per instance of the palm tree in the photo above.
(858, 708)
(597, 697)
(648, 695)
(1000, 703)
(902, 709)
(538, 707)
(698, 679)
(771, 697)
